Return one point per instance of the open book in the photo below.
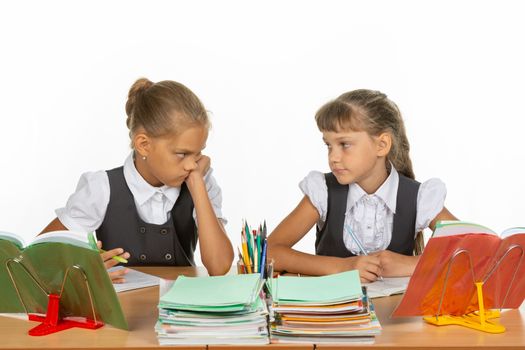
(459, 254)
(52, 261)
(387, 286)
(78, 239)
(134, 280)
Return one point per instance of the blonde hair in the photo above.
(163, 108)
(373, 112)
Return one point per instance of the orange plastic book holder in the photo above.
(465, 280)
(52, 322)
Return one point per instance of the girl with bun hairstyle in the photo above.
(154, 208)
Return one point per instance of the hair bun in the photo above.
(136, 90)
(139, 86)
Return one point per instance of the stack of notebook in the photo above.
(329, 309)
(213, 310)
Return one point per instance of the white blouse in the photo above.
(86, 207)
(371, 216)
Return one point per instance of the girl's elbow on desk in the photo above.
(218, 270)
(218, 265)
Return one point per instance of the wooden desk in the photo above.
(140, 308)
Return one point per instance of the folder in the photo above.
(213, 293)
(324, 289)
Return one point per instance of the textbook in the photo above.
(56, 263)
(78, 239)
(458, 255)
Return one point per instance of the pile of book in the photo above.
(213, 310)
(329, 309)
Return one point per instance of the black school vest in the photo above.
(329, 240)
(172, 243)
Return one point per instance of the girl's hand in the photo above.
(203, 165)
(395, 264)
(369, 267)
(107, 258)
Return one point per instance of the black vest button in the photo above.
(142, 229)
(142, 257)
(168, 256)
(163, 231)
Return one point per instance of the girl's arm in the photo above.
(398, 265)
(107, 257)
(215, 247)
(55, 225)
(442, 216)
(292, 229)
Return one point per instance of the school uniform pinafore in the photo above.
(171, 243)
(329, 239)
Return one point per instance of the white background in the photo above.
(456, 69)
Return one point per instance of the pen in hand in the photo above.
(93, 244)
(359, 244)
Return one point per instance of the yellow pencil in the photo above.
(245, 255)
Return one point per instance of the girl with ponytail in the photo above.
(154, 208)
(369, 201)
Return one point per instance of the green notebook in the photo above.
(213, 294)
(316, 290)
(47, 259)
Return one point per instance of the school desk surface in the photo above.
(140, 308)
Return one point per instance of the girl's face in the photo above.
(355, 156)
(170, 159)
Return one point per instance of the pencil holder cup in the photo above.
(253, 251)
(265, 272)
(240, 267)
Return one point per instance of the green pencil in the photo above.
(249, 241)
(93, 244)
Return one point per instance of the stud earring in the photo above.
(143, 157)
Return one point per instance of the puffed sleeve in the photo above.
(215, 195)
(314, 186)
(86, 207)
(430, 202)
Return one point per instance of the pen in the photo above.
(263, 259)
(259, 232)
(93, 244)
(358, 243)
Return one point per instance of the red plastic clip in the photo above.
(51, 323)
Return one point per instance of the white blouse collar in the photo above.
(142, 191)
(387, 192)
